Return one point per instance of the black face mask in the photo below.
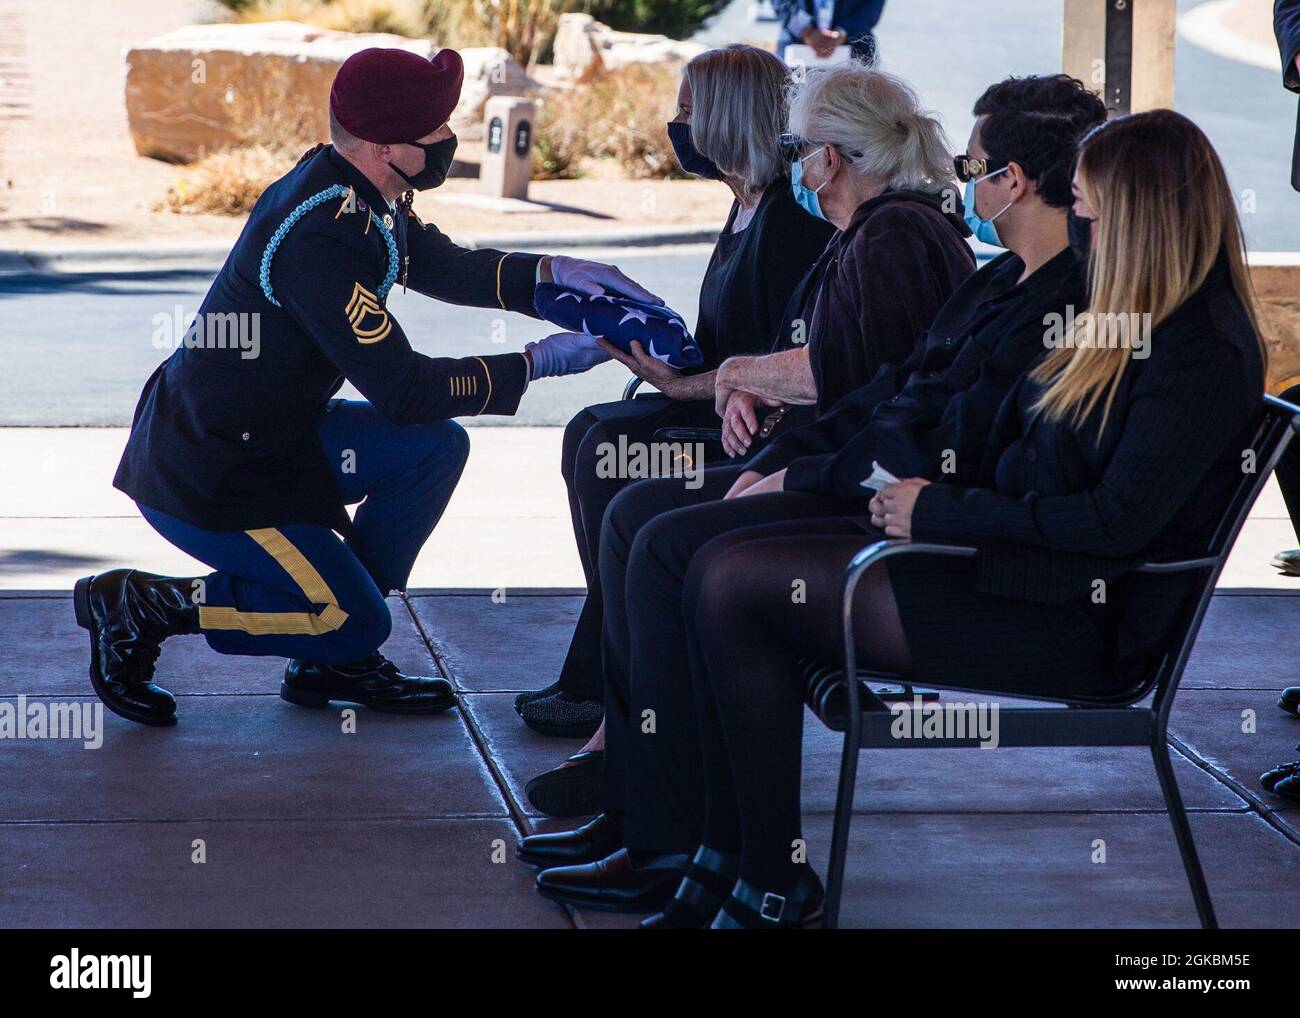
(688, 157)
(437, 161)
(1079, 230)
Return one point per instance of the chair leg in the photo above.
(1183, 832)
(840, 832)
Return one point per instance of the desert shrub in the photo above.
(226, 183)
(561, 134)
(676, 18)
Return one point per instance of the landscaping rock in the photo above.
(585, 48)
(207, 87)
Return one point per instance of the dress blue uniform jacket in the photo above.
(228, 442)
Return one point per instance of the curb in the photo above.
(208, 256)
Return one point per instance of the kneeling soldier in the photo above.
(246, 463)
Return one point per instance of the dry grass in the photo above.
(227, 183)
(621, 116)
(400, 17)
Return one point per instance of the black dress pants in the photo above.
(586, 437)
(653, 763)
(1288, 469)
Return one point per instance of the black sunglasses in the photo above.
(968, 168)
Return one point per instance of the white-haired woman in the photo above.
(729, 118)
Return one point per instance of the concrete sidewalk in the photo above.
(507, 525)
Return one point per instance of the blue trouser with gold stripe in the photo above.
(300, 591)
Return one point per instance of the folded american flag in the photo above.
(620, 320)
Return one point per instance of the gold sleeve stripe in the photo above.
(309, 581)
(489, 384)
(500, 263)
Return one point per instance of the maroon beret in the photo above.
(392, 96)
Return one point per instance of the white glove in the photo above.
(565, 353)
(595, 278)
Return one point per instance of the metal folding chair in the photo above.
(853, 708)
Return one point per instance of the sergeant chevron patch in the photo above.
(363, 304)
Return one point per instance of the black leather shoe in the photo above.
(749, 908)
(574, 789)
(592, 841)
(1269, 780)
(372, 682)
(1288, 561)
(560, 716)
(128, 614)
(616, 883)
(1289, 787)
(1289, 701)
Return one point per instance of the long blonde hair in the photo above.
(1165, 216)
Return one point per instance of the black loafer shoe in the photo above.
(534, 694)
(1289, 701)
(128, 614)
(616, 883)
(562, 717)
(1269, 780)
(592, 841)
(373, 682)
(573, 790)
(1289, 787)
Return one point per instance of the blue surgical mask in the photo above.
(804, 196)
(984, 229)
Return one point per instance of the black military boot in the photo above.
(373, 682)
(128, 614)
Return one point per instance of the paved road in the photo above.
(950, 50)
(76, 349)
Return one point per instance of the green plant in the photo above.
(676, 18)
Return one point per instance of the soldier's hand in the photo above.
(565, 353)
(595, 278)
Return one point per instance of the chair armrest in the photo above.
(869, 556)
(1177, 566)
(629, 390)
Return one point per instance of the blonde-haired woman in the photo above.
(1123, 444)
(727, 126)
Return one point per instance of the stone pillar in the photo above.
(507, 147)
(1124, 49)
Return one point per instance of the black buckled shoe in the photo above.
(708, 881)
(748, 908)
(574, 789)
(128, 614)
(563, 717)
(1289, 701)
(595, 840)
(616, 883)
(372, 682)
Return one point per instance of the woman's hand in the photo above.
(740, 423)
(751, 482)
(891, 510)
(650, 369)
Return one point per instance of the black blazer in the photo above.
(945, 396)
(1286, 26)
(1059, 507)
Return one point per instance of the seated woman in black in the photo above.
(730, 115)
(1111, 451)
